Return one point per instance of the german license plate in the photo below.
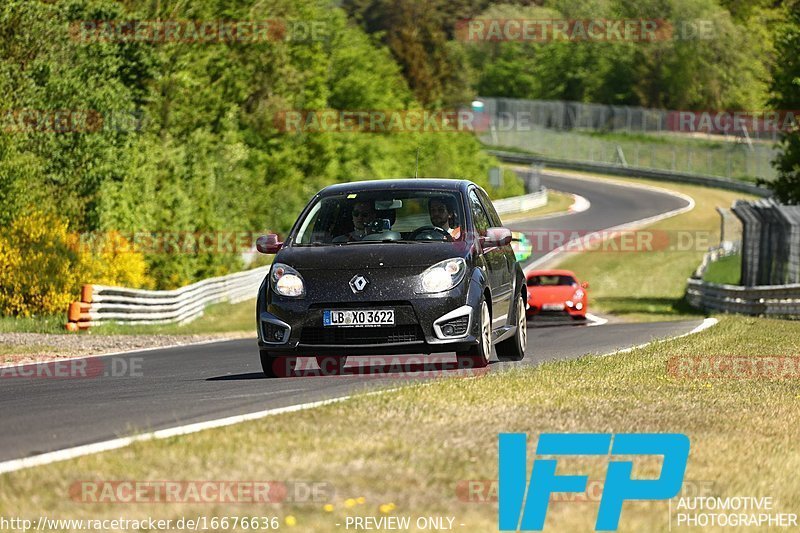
(358, 317)
(553, 307)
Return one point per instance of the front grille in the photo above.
(563, 312)
(377, 335)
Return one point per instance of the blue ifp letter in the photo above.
(620, 487)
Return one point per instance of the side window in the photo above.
(494, 218)
(479, 217)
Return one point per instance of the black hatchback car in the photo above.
(385, 267)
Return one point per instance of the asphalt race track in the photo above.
(611, 205)
(182, 385)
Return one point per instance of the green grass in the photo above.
(35, 324)
(650, 285)
(413, 446)
(727, 270)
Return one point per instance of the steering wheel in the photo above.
(430, 230)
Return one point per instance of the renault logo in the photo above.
(358, 283)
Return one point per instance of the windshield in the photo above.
(383, 216)
(549, 281)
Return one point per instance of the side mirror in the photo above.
(497, 237)
(585, 284)
(268, 244)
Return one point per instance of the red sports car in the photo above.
(556, 292)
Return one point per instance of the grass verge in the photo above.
(412, 448)
(726, 270)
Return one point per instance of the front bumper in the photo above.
(294, 327)
(537, 309)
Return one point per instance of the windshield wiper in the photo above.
(381, 241)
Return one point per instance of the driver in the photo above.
(363, 214)
(442, 215)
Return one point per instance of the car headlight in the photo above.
(443, 276)
(578, 295)
(287, 281)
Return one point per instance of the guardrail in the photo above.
(101, 303)
(783, 300)
(522, 203)
(629, 171)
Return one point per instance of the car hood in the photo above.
(372, 255)
(557, 293)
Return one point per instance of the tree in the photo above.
(786, 96)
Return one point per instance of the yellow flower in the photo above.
(328, 508)
(291, 520)
(361, 500)
(387, 508)
(349, 502)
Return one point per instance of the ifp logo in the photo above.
(516, 512)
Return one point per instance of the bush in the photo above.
(38, 257)
(42, 265)
(112, 261)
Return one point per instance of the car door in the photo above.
(509, 265)
(496, 262)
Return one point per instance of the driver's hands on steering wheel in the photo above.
(431, 230)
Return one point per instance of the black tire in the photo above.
(277, 366)
(478, 356)
(578, 317)
(331, 365)
(513, 349)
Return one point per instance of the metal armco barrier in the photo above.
(782, 300)
(100, 303)
(634, 172)
(518, 204)
(770, 242)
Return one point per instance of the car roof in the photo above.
(404, 184)
(552, 272)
